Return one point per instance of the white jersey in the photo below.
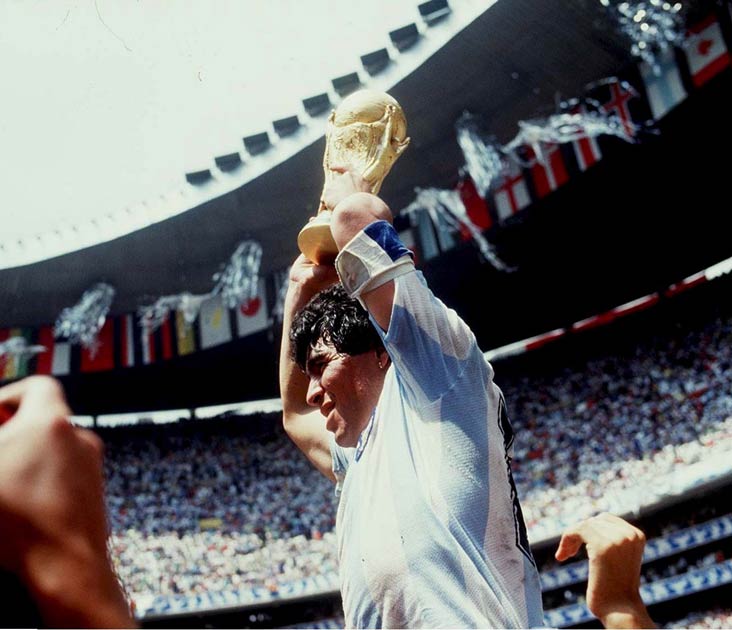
(430, 531)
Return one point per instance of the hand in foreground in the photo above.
(615, 552)
(342, 183)
(53, 531)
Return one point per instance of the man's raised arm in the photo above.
(304, 425)
(351, 214)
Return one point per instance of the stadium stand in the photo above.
(225, 513)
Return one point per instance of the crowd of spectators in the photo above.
(228, 504)
(611, 430)
(715, 618)
(219, 506)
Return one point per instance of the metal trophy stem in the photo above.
(367, 132)
(315, 240)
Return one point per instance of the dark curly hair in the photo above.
(336, 319)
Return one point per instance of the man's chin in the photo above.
(344, 441)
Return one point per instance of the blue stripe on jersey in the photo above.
(384, 235)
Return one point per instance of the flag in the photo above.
(426, 233)
(586, 150)
(4, 358)
(252, 316)
(147, 342)
(550, 175)
(512, 195)
(166, 338)
(618, 105)
(214, 323)
(101, 357)
(406, 236)
(57, 358)
(14, 366)
(663, 84)
(126, 331)
(475, 207)
(705, 51)
(445, 232)
(185, 335)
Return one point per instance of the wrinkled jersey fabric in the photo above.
(429, 527)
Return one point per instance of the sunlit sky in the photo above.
(106, 104)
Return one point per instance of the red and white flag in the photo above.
(512, 195)
(147, 341)
(618, 105)
(586, 150)
(252, 316)
(101, 357)
(706, 51)
(57, 358)
(166, 337)
(127, 340)
(550, 175)
(475, 207)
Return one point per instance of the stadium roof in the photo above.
(145, 96)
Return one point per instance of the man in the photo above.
(53, 525)
(430, 531)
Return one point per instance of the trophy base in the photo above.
(315, 240)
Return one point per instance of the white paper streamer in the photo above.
(560, 128)
(282, 281)
(652, 26)
(448, 205)
(239, 281)
(153, 316)
(18, 347)
(80, 324)
(482, 154)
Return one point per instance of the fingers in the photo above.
(34, 399)
(598, 533)
(569, 545)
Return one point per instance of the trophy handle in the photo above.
(315, 240)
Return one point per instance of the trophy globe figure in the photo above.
(366, 133)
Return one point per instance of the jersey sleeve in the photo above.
(429, 343)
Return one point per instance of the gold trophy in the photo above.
(366, 133)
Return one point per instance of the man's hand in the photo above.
(310, 276)
(53, 528)
(341, 184)
(615, 553)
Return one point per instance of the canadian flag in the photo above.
(512, 195)
(706, 51)
(551, 174)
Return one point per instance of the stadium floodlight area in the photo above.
(270, 405)
(143, 417)
(82, 421)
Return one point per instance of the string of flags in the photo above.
(496, 184)
(499, 182)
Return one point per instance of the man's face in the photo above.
(345, 388)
